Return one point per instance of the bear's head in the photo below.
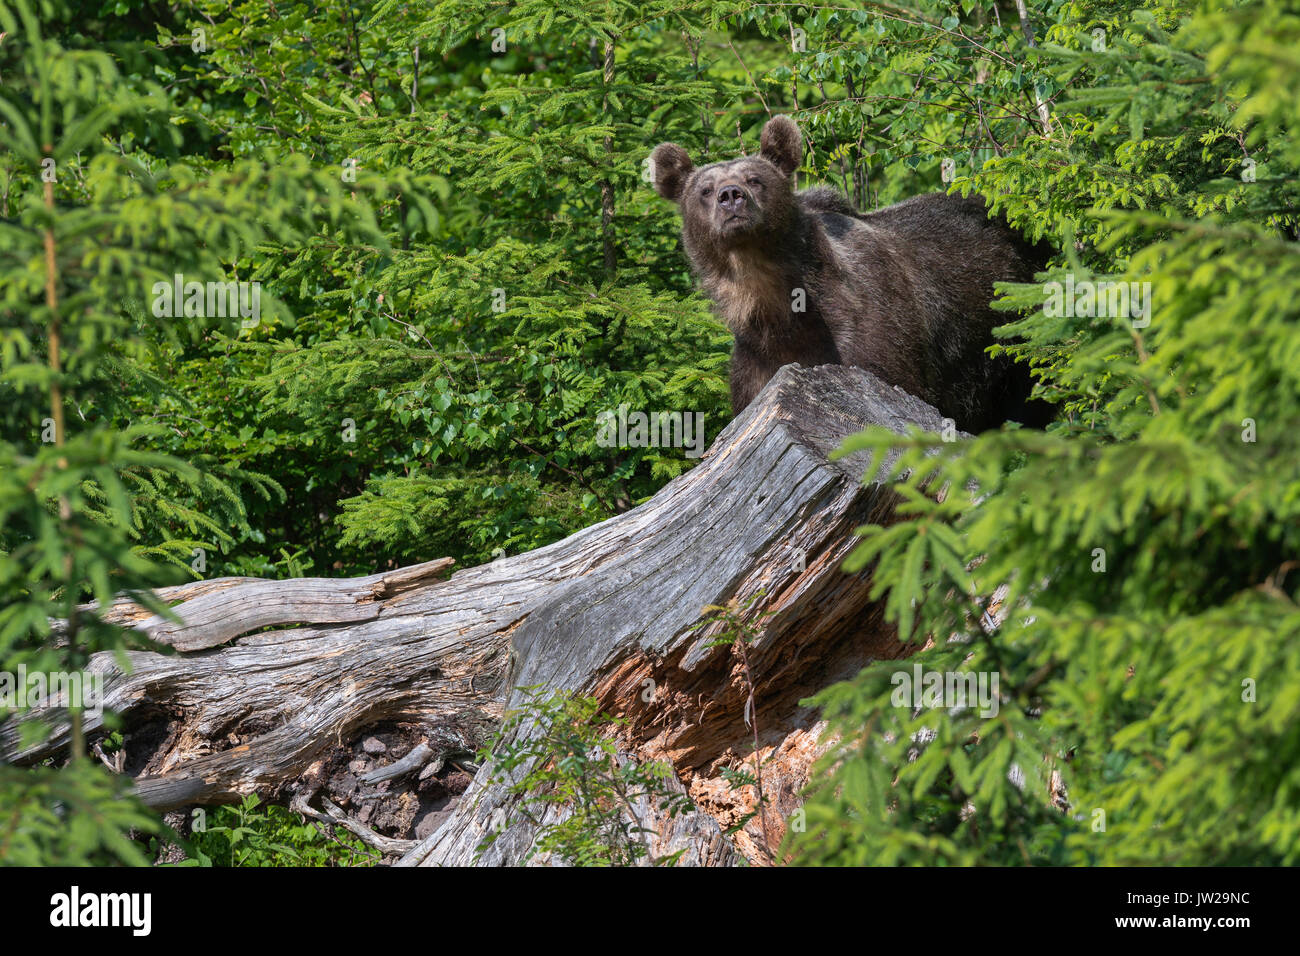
(745, 202)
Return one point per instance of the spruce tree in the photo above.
(1147, 655)
(98, 230)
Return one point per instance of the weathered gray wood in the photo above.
(214, 612)
(609, 611)
(733, 528)
(421, 755)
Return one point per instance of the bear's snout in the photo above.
(732, 199)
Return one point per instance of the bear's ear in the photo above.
(781, 144)
(672, 167)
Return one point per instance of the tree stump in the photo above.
(366, 700)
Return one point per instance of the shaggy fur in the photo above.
(903, 292)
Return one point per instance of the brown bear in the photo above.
(803, 277)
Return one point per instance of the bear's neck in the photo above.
(752, 290)
(757, 288)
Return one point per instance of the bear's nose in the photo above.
(731, 198)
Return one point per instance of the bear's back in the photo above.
(919, 275)
(955, 235)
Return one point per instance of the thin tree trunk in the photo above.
(1027, 26)
(606, 186)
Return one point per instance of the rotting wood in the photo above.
(766, 518)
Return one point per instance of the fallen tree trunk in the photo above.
(366, 703)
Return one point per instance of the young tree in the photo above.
(107, 253)
(1146, 658)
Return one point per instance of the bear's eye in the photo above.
(706, 192)
(754, 181)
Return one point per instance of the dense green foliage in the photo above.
(1149, 540)
(461, 264)
(91, 503)
(248, 834)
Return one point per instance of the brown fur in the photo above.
(903, 292)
